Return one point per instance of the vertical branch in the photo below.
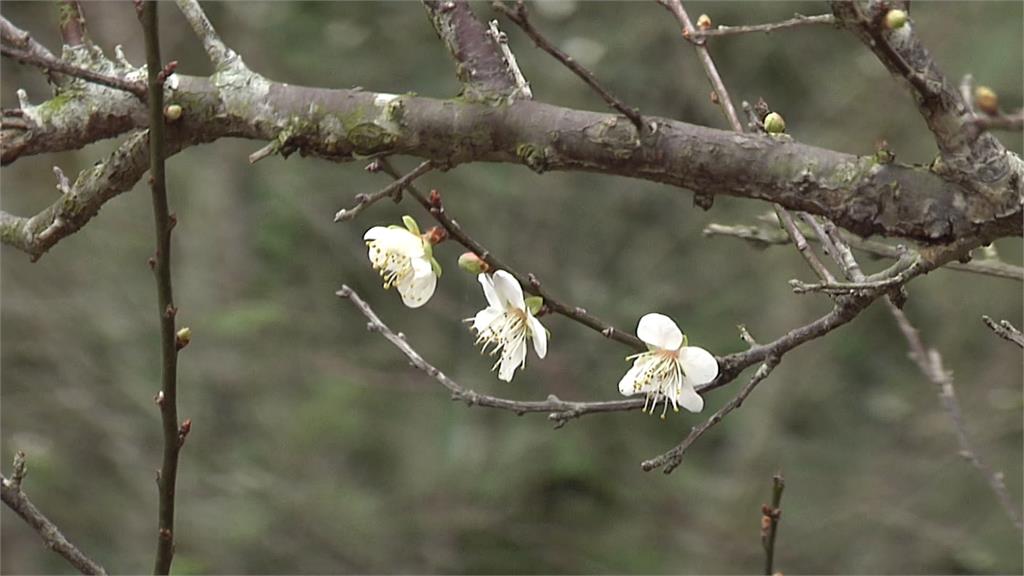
(770, 516)
(72, 23)
(161, 263)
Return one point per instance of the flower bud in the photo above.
(435, 235)
(704, 22)
(895, 19)
(473, 264)
(172, 113)
(986, 100)
(774, 124)
(183, 337)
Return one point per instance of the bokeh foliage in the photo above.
(315, 448)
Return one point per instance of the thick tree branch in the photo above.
(479, 63)
(18, 501)
(855, 192)
(978, 161)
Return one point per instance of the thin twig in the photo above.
(18, 501)
(1005, 330)
(559, 410)
(389, 191)
(671, 459)
(760, 236)
(798, 239)
(167, 399)
(521, 17)
(770, 516)
(1013, 122)
(529, 282)
(137, 89)
(930, 363)
(797, 20)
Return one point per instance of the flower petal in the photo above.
(508, 289)
(484, 318)
(659, 331)
(376, 233)
(689, 399)
(421, 268)
(512, 360)
(492, 297)
(539, 334)
(417, 291)
(699, 365)
(627, 385)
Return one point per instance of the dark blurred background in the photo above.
(315, 448)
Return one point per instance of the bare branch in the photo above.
(72, 23)
(978, 161)
(796, 21)
(1005, 330)
(1010, 122)
(173, 433)
(219, 54)
(770, 516)
(671, 459)
(529, 282)
(15, 37)
(559, 410)
(763, 237)
(521, 17)
(18, 501)
(137, 89)
(502, 39)
(479, 63)
(389, 191)
(798, 239)
(930, 363)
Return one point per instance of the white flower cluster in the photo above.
(666, 373)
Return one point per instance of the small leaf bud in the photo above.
(172, 113)
(986, 100)
(774, 124)
(895, 19)
(472, 263)
(704, 22)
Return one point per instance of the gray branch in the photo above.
(18, 501)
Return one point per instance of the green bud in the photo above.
(895, 19)
(172, 113)
(774, 124)
(534, 303)
(411, 225)
(183, 337)
(472, 263)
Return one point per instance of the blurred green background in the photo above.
(315, 448)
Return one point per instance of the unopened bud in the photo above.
(986, 100)
(172, 113)
(895, 19)
(472, 263)
(436, 235)
(704, 22)
(774, 124)
(183, 337)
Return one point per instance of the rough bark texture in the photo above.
(858, 193)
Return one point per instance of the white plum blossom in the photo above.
(670, 369)
(405, 260)
(508, 322)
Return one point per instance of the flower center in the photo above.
(393, 267)
(661, 378)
